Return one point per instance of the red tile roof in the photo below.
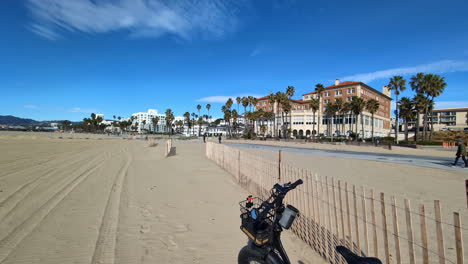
(262, 98)
(334, 86)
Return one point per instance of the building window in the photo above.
(338, 93)
(326, 101)
(351, 90)
(349, 99)
(326, 94)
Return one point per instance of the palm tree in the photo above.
(290, 93)
(339, 109)
(347, 110)
(397, 84)
(435, 85)
(330, 111)
(417, 85)
(372, 106)
(113, 117)
(155, 121)
(238, 101)
(319, 89)
(235, 116)
(187, 120)
(421, 102)
(272, 100)
(169, 119)
(229, 104)
(314, 105)
(358, 105)
(406, 112)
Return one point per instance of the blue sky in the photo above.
(65, 59)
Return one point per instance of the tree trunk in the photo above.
(373, 128)
(406, 129)
(331, 127)
(362, 126)
(396, 119)
(318, 124)
(416, 130)
(313, 127)
(357, 130)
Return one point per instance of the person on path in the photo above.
(219, 138)
(204, 138)
(461, 152)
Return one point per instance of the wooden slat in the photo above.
(409, 232)
(335, 214)
(422, 219)
(439, 232)
(384, 228)
(356, 221)
(319, 216)
(330, 247)
(396, 231)
(325, 221)
(348, 214)
(374, 225)
(458, 237)
(364, 217)
(343, 235)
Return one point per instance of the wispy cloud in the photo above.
(444, 66)
(223, 98)
(31, 106)
(141, 18)
(81, 110)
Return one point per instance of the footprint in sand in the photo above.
(144, 228)
(181, 228)
(169, 242)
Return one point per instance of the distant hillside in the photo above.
(13, 120)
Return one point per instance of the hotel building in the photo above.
(302, 118)
(448, 118)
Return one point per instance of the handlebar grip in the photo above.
(295, 184)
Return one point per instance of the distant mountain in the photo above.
(13, 120)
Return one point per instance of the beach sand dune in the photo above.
(118, 201)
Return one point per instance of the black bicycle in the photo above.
(263, 222)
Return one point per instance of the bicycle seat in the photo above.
(352, 258)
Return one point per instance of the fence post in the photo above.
(440, 236)
(466, 187)
(384, 226)
(458, 237)
(334, 210)
(422, 217)
(409, 231)
(396, 231)
(331, 249)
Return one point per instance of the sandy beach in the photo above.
(118, 201)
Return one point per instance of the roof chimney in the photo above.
(386, 91)
(337, 81)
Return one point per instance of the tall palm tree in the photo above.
(208, 107)
(330, 111)
(358, 105)
(347, 110)
(397, 84)
(434, 87)
(290, 93)
(272, 101)
(319, 89)
(417, 85)
(372, 106)
(421, 102)
(406, 112)
(229, 104)
(238, 101)
(339, 109)
(186, 116)
(199, 126)
(314, 105)
(169, 118)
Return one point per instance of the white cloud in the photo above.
(141, 18)
(31, 106)
(223, 98)
(80, 110)
(451, 104)
(444, 66)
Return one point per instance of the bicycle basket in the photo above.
(258, 231)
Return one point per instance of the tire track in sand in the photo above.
(104, 252)
(11, 241)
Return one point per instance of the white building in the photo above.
(145, 123)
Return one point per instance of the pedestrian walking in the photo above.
(204, 138)
(219, 138)
(461, 152)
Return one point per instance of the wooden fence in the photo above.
(334, 212)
